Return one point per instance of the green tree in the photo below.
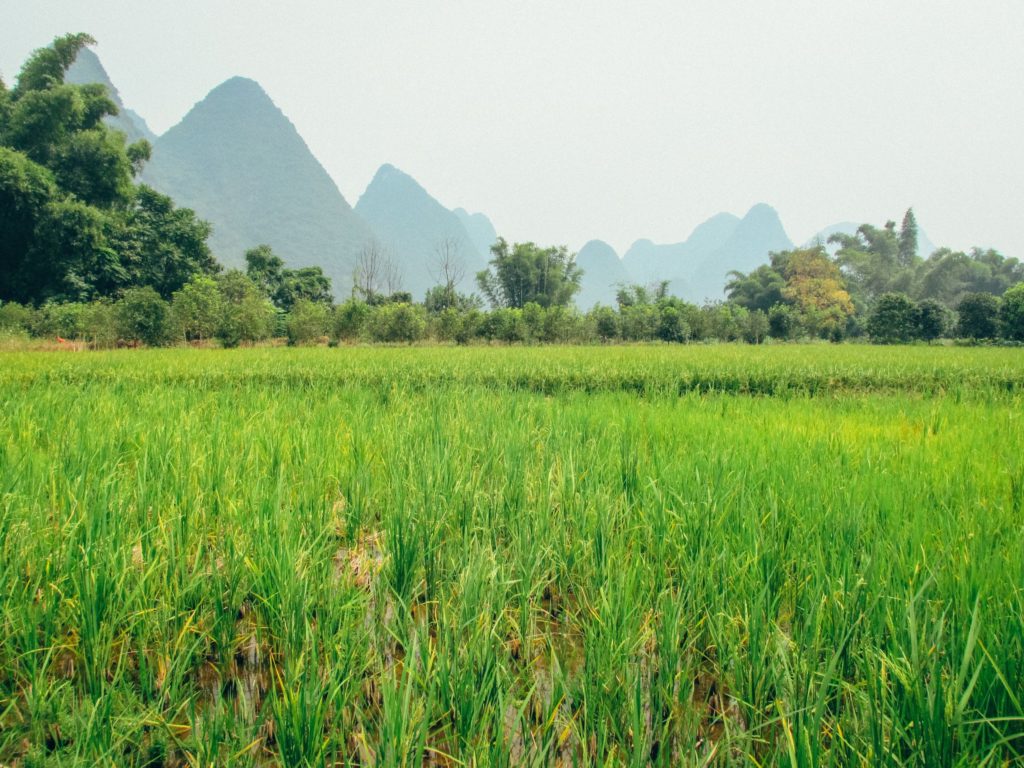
(758, 290)
(161, 245)
(397, 323)
(948, 276)
(265, 269)
(45, 67)
(197, 310)
(504, 324)
(725, 321)
(441, 297)
(978, 316)
(285, 287)
(675, 319)
(894, 319)
(73, 225)
(304, 284)
(349, 320)
(142, 315)
(307, 322)
(15, 317)
(100, 324)
(524, 273)
(26, 191)
(872, 261)
(5, 106)
(1011, 313)
(247, 315)
(932, 320)
(783, 323)
(61, 319)
(606, 322)
(755, 329)
(907, 247)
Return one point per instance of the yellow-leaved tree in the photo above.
(814, 286)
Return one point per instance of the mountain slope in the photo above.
(650, 262)
(412, 226)
(603, 272)
(480, 229)
(758, 234)
(88, 69)
(696, 268)
(239, 162)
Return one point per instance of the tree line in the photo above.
(88, 254)
(877, 286)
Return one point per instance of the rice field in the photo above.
(629, 556)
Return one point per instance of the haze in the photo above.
(570, 121)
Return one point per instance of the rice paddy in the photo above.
(628, 556)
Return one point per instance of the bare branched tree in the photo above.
(366, 273)
(392, 276)
(447, 267)
(375, 272)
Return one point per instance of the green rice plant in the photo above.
(539, 556)
(301, 705)
(402, 725)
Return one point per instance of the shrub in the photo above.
(142, 316)
(250, 319)
(349, 320)
(979, 316)
(606, 322)
(504, 325)
(99, 324)
(755, 328)
(64, 320)
(197, 310)
(640, 322)
(782, 322)
(307, 322)
(397, 323)
(932, 320)
(1011, 314)
(894, 319)
(15, 318)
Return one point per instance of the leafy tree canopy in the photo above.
(73, 224)
(760, 289)
(1011, 313)
(979, 316)
(286, 287)
(524, 272)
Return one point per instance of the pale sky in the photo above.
(566, 121)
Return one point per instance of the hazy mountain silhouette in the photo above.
(696, 268)
(603, 273)
(412, 226)
(758, 234)
(88, 69)
(239, 162)
(480, 230)
(650, 262)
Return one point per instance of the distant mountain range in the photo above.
(415, 231)
(603, 274)
(238, 161)
(697, 267)
(240, 164)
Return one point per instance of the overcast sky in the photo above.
(566, 121)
